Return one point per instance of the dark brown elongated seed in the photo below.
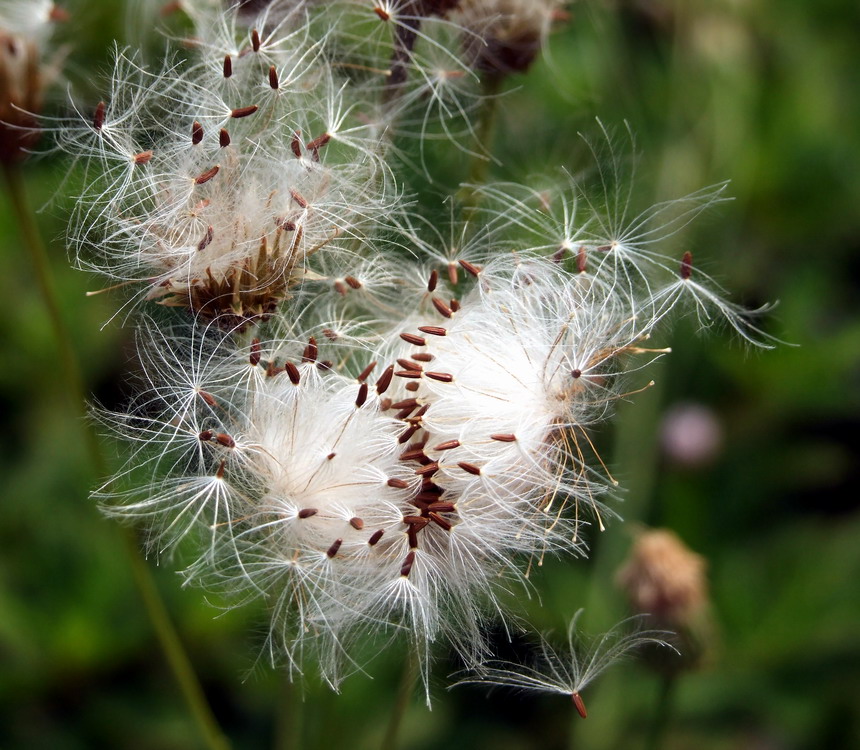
(440, 507)
(433, 330)
(442, 377)
(255, 352)
(447, 445)
(407, 436)
(375, 537)
(208, 398)
(686, 265)
(317, 143)
(455, 305)
(441, 307)
(298, 198)
(408, 374)
(406, 568)
(292, 372)
(274, 83)
(332, 551)
(405, 404)
(581, 259)
(196, 133)
(579, 705)
(356, 523)
(311, 351)
(411, 338)
(507, 437)
(99, 116)
(427, 470)
(413, 386)
(362, 395)
(433, 280)
(363, 375)
(409, 365)
(255, 40)
(143, 157)
(469, 267)
(228, 66)
(223, 138)
(470, 468)
(207, 238)
(353, 282)
(243, 111)
(307, 512)
(422, 357)
(207, 175)
(399, 484)
(206, 436)
(440, 521)
(385, 380)
(224, 439)
(296, 144)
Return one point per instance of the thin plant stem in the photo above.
(401, 702)
(480, 164)
(167, 636)
(662, 712)
(288, 727)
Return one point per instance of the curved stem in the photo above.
(167, 636)
(662, 713)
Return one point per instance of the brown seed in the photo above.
(142, 158)
(99, 116)
(469, 267)
(440, 521)
(224, 138)
(332, 335)
(228, 66)
(353, 282)
(243, 111)
(362, 376)
(441, 307)
(409, 365)
(207, 175)
(255, 40)
(196, 133)
(408, 374)
(274, 83)
(577, 373)
(428, 470)
(292, 372)
(508, 437)
(326, 364)
(330, 456)
(297, 197)
(580, 705)
(385, 380)
(413, 454)
(311, 351)
(406, 568)
(407, 436)
(207, 238)
(208, 398)
(307, 512)
(470, 468)
(220, 473)
(206, 436)
(422, 357)
(418, 521)
(317, 143)
(405, 412)
(455, 305)
(255, 352)
(411, 338)
(356, 523)
(687, 265)
(447, 445)
(581, 259)
(224, 439)
(442, 377)
(604, 248)
(398, 484)
(375, 537)
(453, 276)
(362, 395)
(412, 387)
(296, 144)
(433, 330)
(332, 551)
(442, 507)
(409, 403)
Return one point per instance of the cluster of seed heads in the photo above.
(377, 423)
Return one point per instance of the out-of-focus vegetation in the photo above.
(762, 93)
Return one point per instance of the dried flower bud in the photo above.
(505, 36)
(665, 581)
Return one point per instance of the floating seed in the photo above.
(442, 377)
(255, 352)
(433, 330)
(224, 138)
(375, 537)
(332, 551)
(411, 338)
(196, 133)
(504, 437)
(469, 267)
(399, 484)
(470, 468)
(243, 111)
(307, 512)
(686, 265)
(207, 175)
(228, 66)
(356, 523)
(385, 380)
(99, 116)
(292, 372)
(441, 307)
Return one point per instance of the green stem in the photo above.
(401, 703)
(480, 164)
(662, 713)
(168, 638)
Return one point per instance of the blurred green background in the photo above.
(762, 93)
